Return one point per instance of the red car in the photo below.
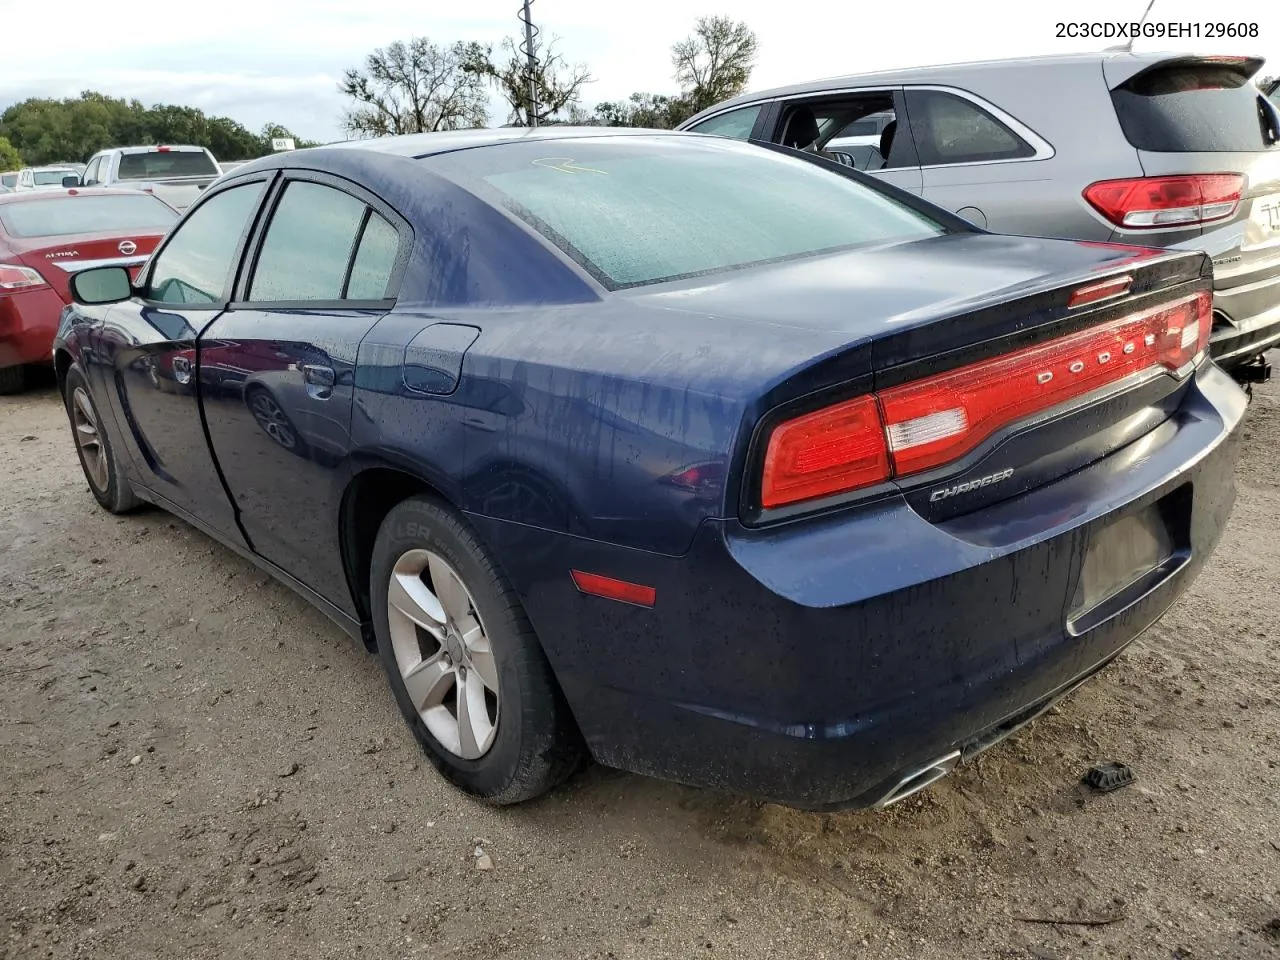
(47, 236)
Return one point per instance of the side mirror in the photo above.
(101, 285)
(71, 181)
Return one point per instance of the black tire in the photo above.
(536, 744)
(12, 379)
(116, 495)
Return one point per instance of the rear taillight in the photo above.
(15, 277)
(929, 423)
(1149, 203)
(828, 451)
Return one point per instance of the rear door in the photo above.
(276, 369)
(147, 348)
(1203, 115)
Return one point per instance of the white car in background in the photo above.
(43, 178)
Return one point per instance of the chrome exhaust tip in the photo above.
(918, 779)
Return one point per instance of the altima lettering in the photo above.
(943, 492)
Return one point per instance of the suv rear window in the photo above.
(635, 210)
(159, 165)
(66, 215)
(1195, 108)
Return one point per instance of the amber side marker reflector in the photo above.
(611, 589)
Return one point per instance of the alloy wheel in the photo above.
(89, 440)
(443, 653)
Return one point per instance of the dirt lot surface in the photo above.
(194, 763)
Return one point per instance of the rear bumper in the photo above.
(1235, 342)
(28, 322)
(816, 663)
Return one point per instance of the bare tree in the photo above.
(558, 83)
(715, 62)
(415, 88)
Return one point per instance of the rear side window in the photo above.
(1194, 108)
(375, 260)
(61, 216)
(952, 129)
(161, 164)
(736, 123)
(308, 245)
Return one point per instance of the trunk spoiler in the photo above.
(1119, 70)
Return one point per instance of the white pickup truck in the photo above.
(176, 175)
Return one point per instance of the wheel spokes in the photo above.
(479, 652)
(429, 682)
(475, 731)
(444, 656)
(410, 596)
(449, 589)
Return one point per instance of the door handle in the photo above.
(320, 380)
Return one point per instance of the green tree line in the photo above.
(48, 131)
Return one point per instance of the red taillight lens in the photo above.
(828, 451)
(1148, 203)
(15, 277)
(935, 421)
(926, 424)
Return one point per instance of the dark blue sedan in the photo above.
(705, 460)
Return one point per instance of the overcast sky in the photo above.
(280, 60)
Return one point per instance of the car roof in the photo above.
(49, 169)
(957, 72)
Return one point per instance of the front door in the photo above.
(146, 350)
(276, 369)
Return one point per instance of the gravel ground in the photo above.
(194, 763)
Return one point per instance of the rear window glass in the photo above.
(65, 215)
(9, 179)
(46, 178)
(635, 209)
(157, 165)
(1194, 109)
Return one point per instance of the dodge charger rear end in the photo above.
(708, 461)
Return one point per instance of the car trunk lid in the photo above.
(924, 328)
(57, 258)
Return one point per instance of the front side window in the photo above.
(308, 245)
(737, 124)
(643, 209)
(951, 129)
(195, 265)
(91, 172)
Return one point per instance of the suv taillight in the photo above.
(16, 277)
(929, 423)
(1150, 203)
